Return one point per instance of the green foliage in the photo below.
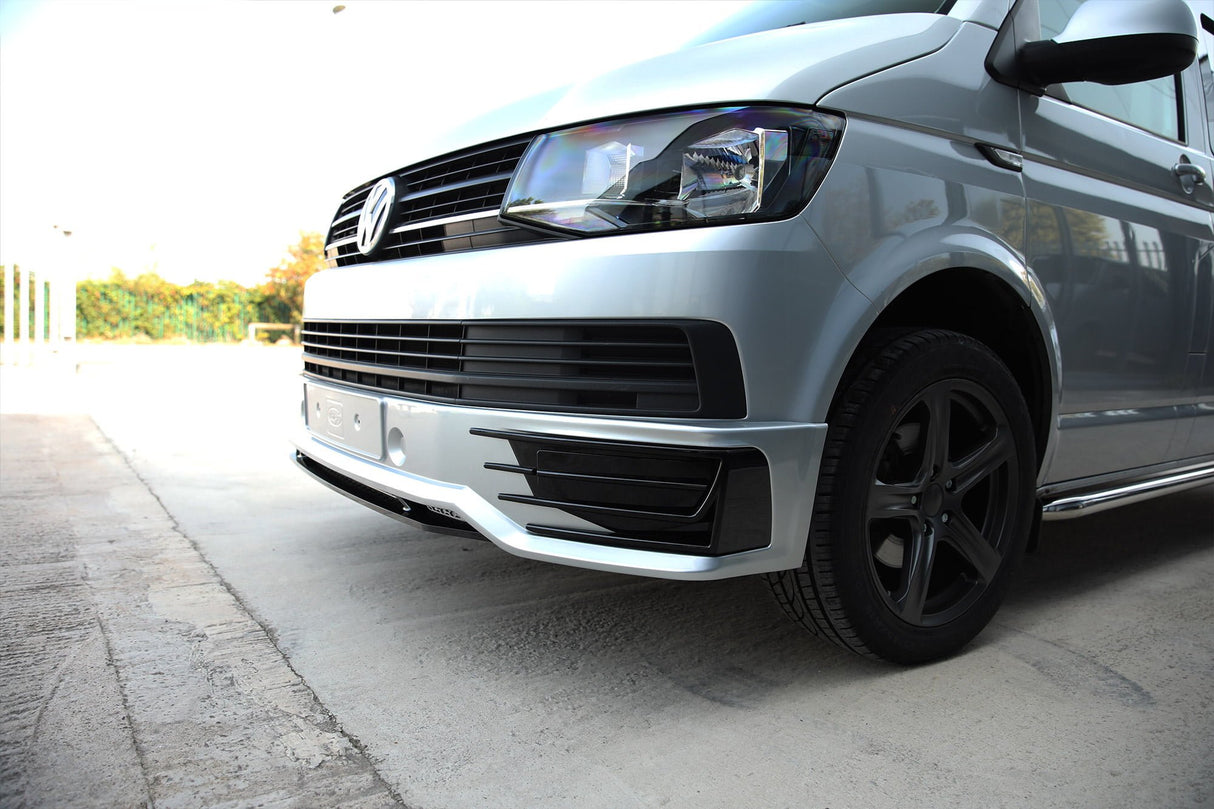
(12, 293)
(150, 307)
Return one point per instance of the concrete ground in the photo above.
(187, 620)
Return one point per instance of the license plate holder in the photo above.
(348, 420)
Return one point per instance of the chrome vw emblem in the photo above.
(377, 210)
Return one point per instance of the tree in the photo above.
(283, 289)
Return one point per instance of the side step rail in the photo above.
(1091, 502)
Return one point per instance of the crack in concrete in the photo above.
(140, 757)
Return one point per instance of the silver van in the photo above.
(850, 293)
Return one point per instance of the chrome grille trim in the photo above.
(489, 213)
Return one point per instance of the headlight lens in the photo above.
(699, 167)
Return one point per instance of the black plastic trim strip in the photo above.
(406, 511)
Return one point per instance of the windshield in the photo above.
(771, 14)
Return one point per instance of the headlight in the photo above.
(700, 167)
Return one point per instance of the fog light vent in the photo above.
(680, 499)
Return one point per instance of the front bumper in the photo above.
(786, 306)
(404, 457)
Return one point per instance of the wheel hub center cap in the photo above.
(933, 500)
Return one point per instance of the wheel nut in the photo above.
(948, 484)
(944, 517)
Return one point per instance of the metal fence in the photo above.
(39, 312)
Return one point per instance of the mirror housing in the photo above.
(1108, 42)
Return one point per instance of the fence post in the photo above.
(10, 275)
(54, 296)
(39, 311)
(23, 321)
(69, 307)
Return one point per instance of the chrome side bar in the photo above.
(1092, 502)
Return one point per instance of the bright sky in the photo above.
(197, 139)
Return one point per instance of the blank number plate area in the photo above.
(349, 420)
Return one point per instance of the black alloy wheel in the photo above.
(924, 500)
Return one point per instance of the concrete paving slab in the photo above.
(132, 675)
(59, 692)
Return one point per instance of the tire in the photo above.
(924, 500)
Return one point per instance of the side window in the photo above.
(1152, 105)
(1207, 77)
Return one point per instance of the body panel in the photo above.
(1117, 243)
(797, 65)
(1199, 438)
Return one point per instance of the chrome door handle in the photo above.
(1190, 175)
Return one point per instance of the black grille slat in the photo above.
(472, 182)
(608, 367)
(348, 220)
(338, 351)
(443, 239)
(462, 185)
(600, 510)
(584, 362)
(651, 483)
(536, 381)
(477, 161)
(597, 480)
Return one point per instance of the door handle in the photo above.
(1190, 175)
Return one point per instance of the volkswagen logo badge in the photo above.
(377, 210)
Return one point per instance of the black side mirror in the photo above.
(1108, 42)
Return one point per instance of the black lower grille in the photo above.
(675, 499)
(682, 368)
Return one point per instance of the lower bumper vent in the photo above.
(673, 499)
(677, 368)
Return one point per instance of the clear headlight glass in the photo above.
(698, 167)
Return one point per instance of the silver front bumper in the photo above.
(426, 453)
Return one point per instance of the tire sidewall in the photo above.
(879, 397)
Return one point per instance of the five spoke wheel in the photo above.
(924, 499)
(938, 502)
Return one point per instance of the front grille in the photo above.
(674, 499)
(446, 205)
(659, 368)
